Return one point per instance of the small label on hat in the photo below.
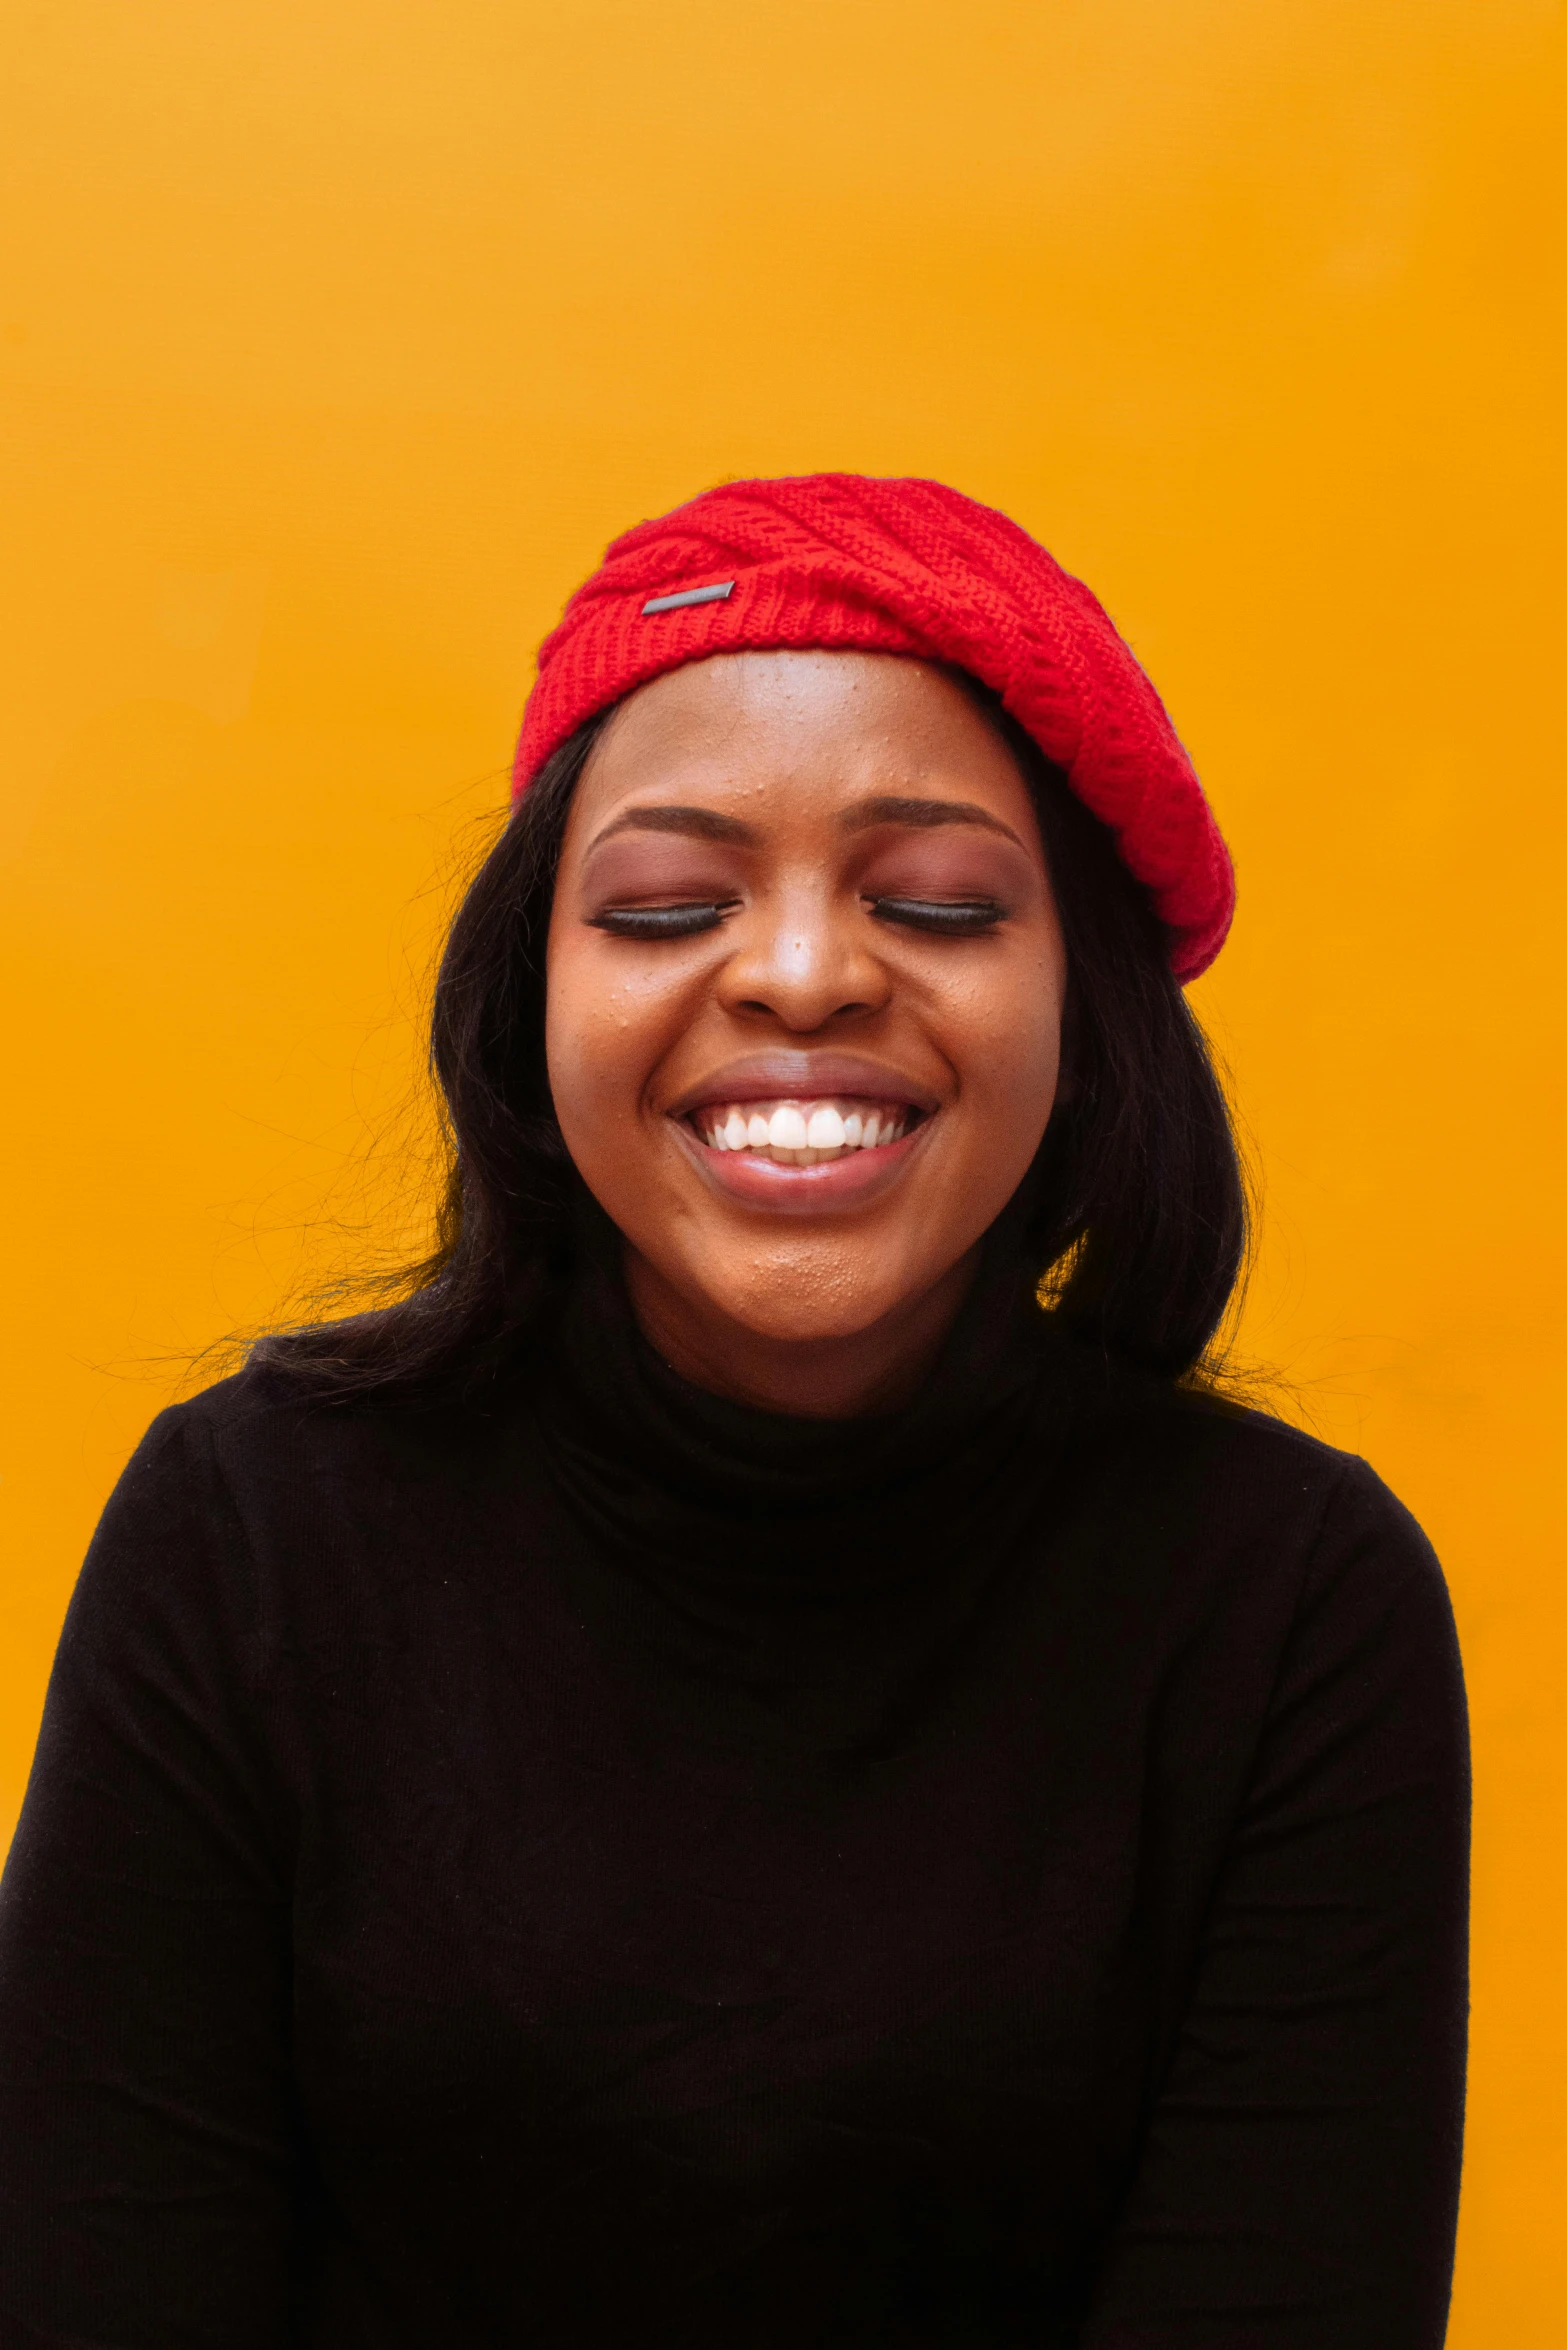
(707, 595)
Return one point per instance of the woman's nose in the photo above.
(803, 959)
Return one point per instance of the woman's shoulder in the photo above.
(170, 1559)
(256, 1459)
(1232, 1436)
(250, 1512)
(1245, 1492)
(1245, 1553)
(1262, 1453)
(263, 1418)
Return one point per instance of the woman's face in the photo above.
(805, 980)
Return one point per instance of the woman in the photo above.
(762, 1760)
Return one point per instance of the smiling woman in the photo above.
(762, 1758)
(804, 967)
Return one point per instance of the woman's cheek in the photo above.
(606, 1029)
(1002, 1013)
(585, 1039)
(1005, 1043)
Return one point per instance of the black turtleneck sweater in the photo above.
(605, 1866)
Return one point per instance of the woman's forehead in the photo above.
(827, 725)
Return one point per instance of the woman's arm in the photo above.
(1298, 2185)
(146, 2153)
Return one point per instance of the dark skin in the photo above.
(808, 883)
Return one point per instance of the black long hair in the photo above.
(1137, 1224)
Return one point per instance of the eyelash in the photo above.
(955, 918)
(655, 922)
(949, 918)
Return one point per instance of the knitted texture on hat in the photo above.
(845, 562)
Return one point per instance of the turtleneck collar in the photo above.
(792, 1584)
(715, 1489)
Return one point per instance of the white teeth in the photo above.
(800, 1134)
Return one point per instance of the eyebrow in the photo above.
(694, 823)
(883, 808)
(921, 815)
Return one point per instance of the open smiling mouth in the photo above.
(803, 1133)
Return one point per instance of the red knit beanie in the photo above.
(845, 562)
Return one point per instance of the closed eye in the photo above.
(655, 922)
(946, 917)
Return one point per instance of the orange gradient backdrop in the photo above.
(334, 343)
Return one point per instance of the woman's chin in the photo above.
(800, 1327)
(815, 1333)
(799, 1302)
(819, 1302)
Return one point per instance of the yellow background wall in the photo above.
(335, 341)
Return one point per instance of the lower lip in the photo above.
(821, 1190)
